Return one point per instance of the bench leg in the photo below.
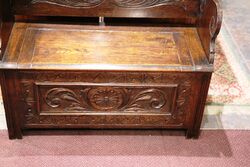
(9, 95)
(189, 134)
(195, 131)
(192, 134)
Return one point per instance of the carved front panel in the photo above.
(105, 98)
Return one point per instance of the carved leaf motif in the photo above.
(146, 3)
(106, 99)
(70, 3)
(56, 96)
(146, 100)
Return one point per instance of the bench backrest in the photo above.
(184, 10)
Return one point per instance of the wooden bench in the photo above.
(107, 64)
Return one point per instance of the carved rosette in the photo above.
(71, 3)
(106, 98)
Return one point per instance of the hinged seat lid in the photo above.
(77, 47)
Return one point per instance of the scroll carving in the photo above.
(71, 3)
(55, 97)
(148, 3)
(106, 99)
(212, 26)
(120, 3)
(147, 99)
(210, 21)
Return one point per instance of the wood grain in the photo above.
(209, 26)
(185, 9)
(89, 96)
(40, 46)
(6, 23)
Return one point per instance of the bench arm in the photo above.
(209, 24)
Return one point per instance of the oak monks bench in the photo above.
(106, 64)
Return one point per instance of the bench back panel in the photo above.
(170, 9)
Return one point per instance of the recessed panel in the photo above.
(97, 99)
(104, 47)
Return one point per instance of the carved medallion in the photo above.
(71, 3)
(106, 98)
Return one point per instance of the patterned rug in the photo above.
(224, 87)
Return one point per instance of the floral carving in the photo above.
(106, 98)
(71, 3)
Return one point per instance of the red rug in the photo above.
(127, 149)
(225, 87)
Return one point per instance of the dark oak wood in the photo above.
(209, 24)
(185, 9)
(60, 73)
(48, 46)
(6, 23)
